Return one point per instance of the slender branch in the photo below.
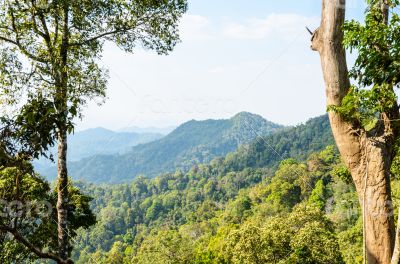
(46, 81)
(56, 18)
(143, 20)
(105, 34)
(47, 38)
(18, 43)
(35, 27)
(45, 28)
(9, 40)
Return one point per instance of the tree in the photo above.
(364, 118)
(318, 195)
(26, 212)
(28, 223)
(166, 246)
(303, 236)
(115, 256)
(50, 51)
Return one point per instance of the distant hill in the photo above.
(294, 142)
(153, 130)
(97, 141)
(103, 141)
(191, 143)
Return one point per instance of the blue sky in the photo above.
(235, 55)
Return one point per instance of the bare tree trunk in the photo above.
(368, 156)
(62, 184)
(62, 191)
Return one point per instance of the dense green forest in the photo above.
(235, 209)
(190, 216)
(303, 212)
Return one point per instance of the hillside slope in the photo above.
(97, 141)
(103, 141)
(191, 143)
(247, 141)
(295, 142)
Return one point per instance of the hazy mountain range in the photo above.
(192, 142)
(250, 140)
(151, 130)
(96, 141)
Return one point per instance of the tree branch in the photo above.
(9, 40)
(105, 34)
(115, 31)
(56, 29)
(18, 43)
(35, 27)
(38, 252)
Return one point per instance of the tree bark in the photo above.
(62, 191)
(368, 155)
(62, 184)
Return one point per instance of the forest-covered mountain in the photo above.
(294, 142)
(191, 143)
(236, 191)
(97, 141)
(187, 145)
(285, 196)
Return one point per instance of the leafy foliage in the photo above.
(377, 67)
(301, 213)
(27, 206)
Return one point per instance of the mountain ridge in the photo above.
(190, 143)
(245, 140)
(96, 141)
(157, 130)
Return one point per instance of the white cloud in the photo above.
(195, 27)
(212, 64)
(282, 25)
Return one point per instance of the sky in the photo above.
(235, 55)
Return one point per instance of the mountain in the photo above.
(213, 211)
(153, 130)
(103, 141)
(97, 141)
(191, 143)
(293, 142)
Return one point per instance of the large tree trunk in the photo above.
(62, 184)
(368, 155)
(62, 191)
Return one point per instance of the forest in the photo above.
(303, 212)
(236, 190)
